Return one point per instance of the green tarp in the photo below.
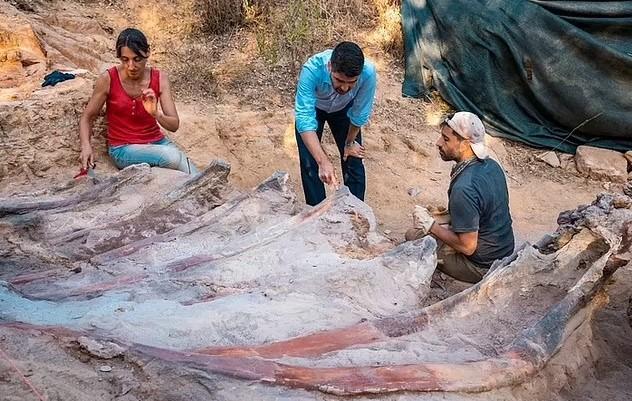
(534, 70)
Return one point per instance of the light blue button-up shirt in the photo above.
(315, 90)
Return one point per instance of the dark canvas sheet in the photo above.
(534, 70)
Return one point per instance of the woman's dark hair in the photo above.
(347, 58)
(133, 39)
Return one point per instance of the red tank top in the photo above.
(128, 122)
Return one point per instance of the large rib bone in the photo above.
(267, 204)
(203, 192)
(76, 195)
(50, 214)
(312, 301)
(525, 355)
(269, 201)
(339, 291)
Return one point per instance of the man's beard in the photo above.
(445, 157)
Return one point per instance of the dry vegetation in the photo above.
(189, 38)
(288, 33)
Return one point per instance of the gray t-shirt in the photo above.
(479, 201)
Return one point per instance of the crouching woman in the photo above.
(137, 99)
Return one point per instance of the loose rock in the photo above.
(566, 161)
(601, 164)
(105, 350)
(549, 158)
(414, 191)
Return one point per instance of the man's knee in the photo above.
(354, 169)
(309, 168)
(413, 234)
(456, 265)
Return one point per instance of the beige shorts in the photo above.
(458, 266)
(451, 262)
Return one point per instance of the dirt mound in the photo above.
(44, 37)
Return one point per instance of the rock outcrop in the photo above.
(39, 126)
(601, 164)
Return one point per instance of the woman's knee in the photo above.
(176, 159)
(170, 157)
(161, 155)
(123, 156)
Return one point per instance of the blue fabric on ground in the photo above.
(56, 77)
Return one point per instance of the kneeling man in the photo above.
(478, 204)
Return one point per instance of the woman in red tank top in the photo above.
(132, 92)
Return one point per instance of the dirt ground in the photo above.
(246, 119)
(256, 136)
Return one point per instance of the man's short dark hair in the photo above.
(135, 40)
(347, 59)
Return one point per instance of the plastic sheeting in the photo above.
(552, 74)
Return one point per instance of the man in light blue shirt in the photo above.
(338, 87)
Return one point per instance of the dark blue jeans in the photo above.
(352, 170)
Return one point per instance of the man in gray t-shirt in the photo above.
(478, 204)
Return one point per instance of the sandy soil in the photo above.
(609, 378)
(257, 138)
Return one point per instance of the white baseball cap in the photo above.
(467, 125)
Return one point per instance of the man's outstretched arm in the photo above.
(360, 112)
(306, 125)
(326, 171)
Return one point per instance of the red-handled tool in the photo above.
(87, 171)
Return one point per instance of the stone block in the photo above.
(601, 164)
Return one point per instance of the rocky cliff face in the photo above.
(39, 126)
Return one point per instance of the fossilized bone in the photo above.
(271, 200)
(524, 356)
(344, 288)
(75, 195)
(202, 192)
(498, 333)
(527, 353)
(273, 194)
(45, 216)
